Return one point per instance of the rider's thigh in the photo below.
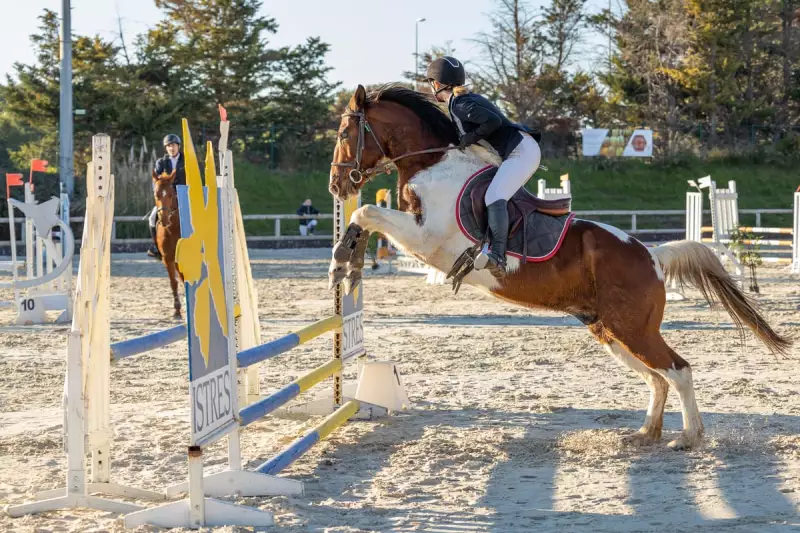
(515, 171)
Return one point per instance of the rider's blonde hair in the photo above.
(458, 91)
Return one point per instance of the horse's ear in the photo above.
(172, 175)
(154, 175)
(359, 99)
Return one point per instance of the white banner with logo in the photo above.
(593, 141)
(640, 144)
(617, 142)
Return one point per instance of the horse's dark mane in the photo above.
(422, 105)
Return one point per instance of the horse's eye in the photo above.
(343, 135)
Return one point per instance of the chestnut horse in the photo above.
(168, 230)
(608, 280)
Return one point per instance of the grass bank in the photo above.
(608, 185)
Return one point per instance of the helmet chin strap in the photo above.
(435, 92)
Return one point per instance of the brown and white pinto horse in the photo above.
(168, 230)
(608, 280)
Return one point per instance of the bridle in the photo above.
(169, 210)
(357, 175)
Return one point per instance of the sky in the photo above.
(372, 41)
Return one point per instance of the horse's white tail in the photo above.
(695, 264)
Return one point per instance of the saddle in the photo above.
(520, 205)
(537, 227)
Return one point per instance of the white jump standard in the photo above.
(47, 284)
(725, 222)
(87, 387)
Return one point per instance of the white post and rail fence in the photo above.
(638, 222)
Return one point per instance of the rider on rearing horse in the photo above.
(477, 120)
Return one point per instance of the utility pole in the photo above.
(65, 156)
(609, 34)
(416, 52)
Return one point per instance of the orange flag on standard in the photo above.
(37, 165)
(12, 180)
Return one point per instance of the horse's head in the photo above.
(165, 195)
(391, 122)
(357, 150)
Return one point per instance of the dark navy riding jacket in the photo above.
(165, 165)
(474, 113)
(306, 210)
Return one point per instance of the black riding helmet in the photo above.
(448, 71)
(172, 138)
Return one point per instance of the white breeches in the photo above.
(154, 217)
(515, 171)
(311, 224)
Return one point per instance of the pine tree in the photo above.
(32, 95)
(209, 52)
(299, 103)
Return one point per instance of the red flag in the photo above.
(38, 165)
(12, 180)
(223, 115)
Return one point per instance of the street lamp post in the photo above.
(416, 50)
(65, 161)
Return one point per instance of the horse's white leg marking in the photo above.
(651, 430)
(399, 226)
(681, 380)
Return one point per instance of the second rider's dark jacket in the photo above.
(164, 165)
(474, 113)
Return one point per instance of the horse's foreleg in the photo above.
(348, 253)
(400, 227)
(173, 281)
(348, 258)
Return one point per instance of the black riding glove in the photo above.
(468, 139)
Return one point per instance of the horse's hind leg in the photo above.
(648, 351)
(650, 431)
(173, 281)
(681, 380)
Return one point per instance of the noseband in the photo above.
(357, 175)
(169, 210)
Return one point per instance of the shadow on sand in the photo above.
(732, 483)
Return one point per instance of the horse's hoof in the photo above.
(335, 275)
(685, 442)
(639, 439)
(352, 279)
(177, 315)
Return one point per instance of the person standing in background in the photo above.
(307, 226)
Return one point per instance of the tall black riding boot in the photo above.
(497, 213)
(153, 251)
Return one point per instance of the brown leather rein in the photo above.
(357, 175)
